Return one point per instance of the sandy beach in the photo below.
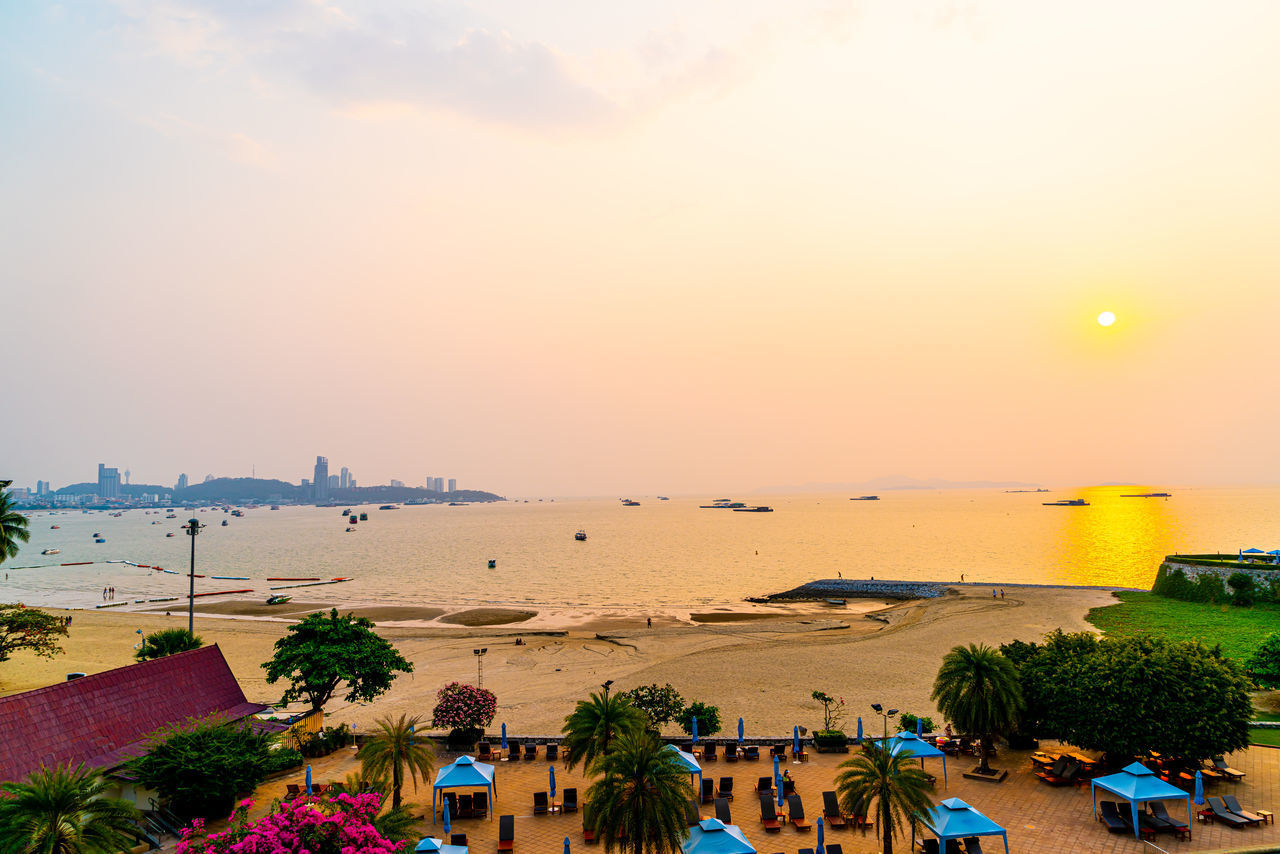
(760, 662)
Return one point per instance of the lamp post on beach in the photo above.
(192, 527)
(605, 685)
(879, 710)
(479, 654)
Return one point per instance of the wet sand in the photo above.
(760, 662)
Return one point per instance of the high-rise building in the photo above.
(344, 482)
(108, 481)
(351, 484)
(321, 479)
(333, 481)
(397, 483)
(453, 484)
(305, 483)
(42, 487)
(428, 485)
(182, 481)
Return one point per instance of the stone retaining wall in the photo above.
(1262, 577)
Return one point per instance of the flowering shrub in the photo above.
(462, 706)
(304, 825)
(832, 710)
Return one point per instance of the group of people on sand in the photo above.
(108, 594)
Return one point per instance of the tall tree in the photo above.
(638, 804)
(594, 723)
(29, 628)
(325, 650)
(13, 528)
(167, 642)
(393, 750)
(977, 689)
(63, 811)
(892, 785)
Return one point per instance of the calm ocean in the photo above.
(661, 554)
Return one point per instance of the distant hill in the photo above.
(240, 489)
(133, 490)
(896, 482)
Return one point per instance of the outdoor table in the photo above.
(1205, 816)
(1266, 816)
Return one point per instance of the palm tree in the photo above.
(977, 689)
(896, 787)
(61, 811)
(594, 723)
(167, 642)
(392, 750)
(638, 804)
(13, 528)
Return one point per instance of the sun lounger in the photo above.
(731, 752)
(725, 789)
(464, 806)
(709, 752)
(1226, 816)
(484, 751)
(1159, 810)
(779, 750)
(952, 846)
(540, 803)
(293, 790)
(570, 803)
(506, 833)
(795, 809)
(1234, 805)
(1220, 765)
(553, 752)
(834, 848)
(458, 839)
(588, 835)
(708, 791)
(768, 815)
(751, 753)
(1155, 824)
(691, 815)
(805, 851)
(480, 805)
(972, 845)
(929, 846)
(1109, 814)
(831, 810)
(513, 749)
(764, 786)
(722, 810)
(530, 750)
(788, 786)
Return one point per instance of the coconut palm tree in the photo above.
(392, 750)
(61, 811)
(594, 723)
(638, 804)
(13, 528)
(894, 785)
(977, 689)
(166, 642)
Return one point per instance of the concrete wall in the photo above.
(1262, 577)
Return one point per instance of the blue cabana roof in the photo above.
(465, 773)
(954, 819)
(712, 836)
(1137, 784)
(688, 760)
(910, 744)
(1253, 552)
(436, 845)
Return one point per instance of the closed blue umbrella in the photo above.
(777, 779)
(446, 817)
(504, 736)
(695, 729)
(919, 727)
(740, 730)
(566, 845)
(1199, 798)
(795, 741)
(411, 733)
(551, 772)
(308, 779)
(859, 729)
(820, 851)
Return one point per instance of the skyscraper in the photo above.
(108, 481)
(437, 484)
(453, 484)
(321, 479)
(334, 481)
(182, 481)
(344, 481)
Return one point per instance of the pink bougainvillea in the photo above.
(462, 706)
(339, 825)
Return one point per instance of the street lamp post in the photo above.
(193, 527)
(479, 654)
(879, 710)
(605, 686)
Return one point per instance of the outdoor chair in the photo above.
(1220, 765)
(553, 752)
(506, 833)
(480, 805)
(788, 786)
(708, 791)
(1222, 814)
(1109, 814)
(725, 789)
(449, 799)
(709, 751)
(805, 851)
(540, 805)
(951, 846)
(768, 815)
(691, 814)
(722, 810)
(588, 835)
(751, 753)
(458, 839)
(731, 752)
(318, 789)
(484, 751)
(764, 786)
(929, 846)
(800, 755)
(513, 749)
(834, 848)
(465, 806)
(1156, 824)
(795, 809)
(570, 801)
(972, 845)
(687, 747)
(1159, 810)
(831, 810)
(293, 791)
(1234, 805)
(530, 750)
(779, 750)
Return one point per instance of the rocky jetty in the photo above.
(854, 588)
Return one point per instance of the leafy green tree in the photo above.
(708, 718)
(13, 528)
(638, 804)
(325, 650)
(29, 628)
(661, 704)
(594, 723)
(894, 786)
(1263, 666)
(63, 811)
(200, 766)
(393, 750)
(1242, 588)
(166, 642)
(977, 689)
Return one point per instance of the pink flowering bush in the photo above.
(460, 707)
(339, 825)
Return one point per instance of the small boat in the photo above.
(722, 504)
(760, 509)
(350, 529)
(840, 602)
(54, 527)
(170, 534)
(278, 600)
(96, 534)
(100, 540)
(1150, 495)
(275, 506)
(1067, 502)
(580, 536)
(493, 564)
(663, 498)
(364, 517)
(225, 523)
(627, 502)
(388, 507)
(866, 498)
(457, 504)
(346, 512)
(51, 552)
(172, 516)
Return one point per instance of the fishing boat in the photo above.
(839, 602)
(170, 534)
(627, 502)
(1150, 495)
(388, 507)
(759, 509)
(54, 527)
(722, 504)
(580, 536)
(1067, 502)
(100, 540)
(224, 523)
(51, 552)
(663, 498)
(277, 599)
(866, 498)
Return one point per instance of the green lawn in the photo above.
(1238, 630)
(1265, 736)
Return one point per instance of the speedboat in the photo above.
(224, 523)
(51, 552)
(278, 600)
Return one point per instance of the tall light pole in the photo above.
(479, 654)
(193, 527)
(879, 710)
(605, 686)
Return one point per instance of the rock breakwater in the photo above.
(857, 588)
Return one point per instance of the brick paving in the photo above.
(1038, 817)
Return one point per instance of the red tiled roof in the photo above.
(103, 719)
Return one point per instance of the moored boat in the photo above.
(580, 536)
(1067, 502)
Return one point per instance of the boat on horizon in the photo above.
(388, 507)
(663, 498)
(627, 502)
(1067, 502)
(580, 536)
(1150, 495)
(866, 498)
(722, 504)
(759, 509)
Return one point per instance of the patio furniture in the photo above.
(709, 752)
(972, 845)
(507, 833)
(831, 810)
(691, 816)
(553, 752)
(1220, 765)
(725, 789)
(722, 810)
(795, 811)
(764, 786)
(751, 753)
(484, 751)
(731, 752)
(540, 805)
(708, 791)
(570, 801)
(1226, 816)
(458, 839)
(479, 804)
(1109, 814)
(768, 815)
(530, 750)
(1234, 805)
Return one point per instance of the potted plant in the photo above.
(830, 739)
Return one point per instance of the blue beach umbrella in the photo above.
(566, 845)
(308, 779)
(859, 729)
(795, 741)
(1199, 798)
(919, 727)
(695, 729)
(504, 736)
(820, 851)
(446, 817)
(740, 730)
(551, 773)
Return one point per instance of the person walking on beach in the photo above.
(649, 621)
(1001, 592)
(104, 594)
(993, 593)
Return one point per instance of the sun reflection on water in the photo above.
(1097, 542)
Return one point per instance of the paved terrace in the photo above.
(1038, 817)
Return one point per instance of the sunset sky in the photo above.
(625, 248)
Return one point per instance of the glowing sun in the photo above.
(1106, 318)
